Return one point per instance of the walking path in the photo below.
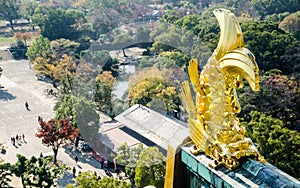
(20, 86)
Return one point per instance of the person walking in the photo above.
(76, 159)
(74, 171)
(23, 136)
(27, 106)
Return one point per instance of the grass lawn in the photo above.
(7, 40)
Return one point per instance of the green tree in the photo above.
(87, 120)
(64, 46)
(103, 97)
(189, 22)
(19, 168)
(170, 16)
(41, 172)
(36, 172)
(179, 58)
(9, 11)
(59, 23)
(5, 173)
(40, 47)
(89, 180)
(150, 169)
(268, 43)
(29, 10)
(128, 157)
(275, 6)
(279, 145)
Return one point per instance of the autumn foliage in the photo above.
(23, 36)
(57, 133)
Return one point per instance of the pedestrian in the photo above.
(27, 106)
(76, 159)
(23, 136)
(74, 171)
(17, 138)
(39, 118)
(13, 140)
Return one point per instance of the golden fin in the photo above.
(231, 36)
(193, 72)
(187, 99)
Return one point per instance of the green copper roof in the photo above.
(250, 174)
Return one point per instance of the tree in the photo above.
(128, 158)
(103, 96)
(64, 46)
(170, 16)
(150, 169)
(58, 23)
(9, 11)
(179, 58)
(41, 173)
(291, 59)
(40, 47)
(29, 10)
(291, 24)
(19, 168)
(57, 133)
(89, 180)
(36, 172)
(148, 89)
(279, 145)
(5, 173)
(278, 96)
(23, 37)
(275, 6)
(87, 120)
(55, 68)
(268, 43)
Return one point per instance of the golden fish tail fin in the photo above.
(193, 72)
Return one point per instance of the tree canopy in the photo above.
(57, 133)
(150, 169)
(56, 23)
(279, 145)
(268, 42)
(145, 91)
(9, 11)
(37, 172)
(88, 179)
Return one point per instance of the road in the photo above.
(20, 86)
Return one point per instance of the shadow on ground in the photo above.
(6, 96)
(82, 157)
(65, 179)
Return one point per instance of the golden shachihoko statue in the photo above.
(213, 123)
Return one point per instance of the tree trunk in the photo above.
(55, 151)
(11, 25)
(22, 180)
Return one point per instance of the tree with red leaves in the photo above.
(57, 133)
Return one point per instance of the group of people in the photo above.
(51, 92)
(17, 139)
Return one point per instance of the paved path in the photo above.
(20, 86)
